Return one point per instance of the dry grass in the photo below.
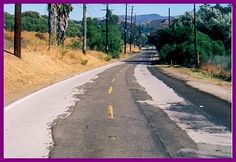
(187, 74)
(133, 50)
(216, 70)
(200, 80)
(41, 66)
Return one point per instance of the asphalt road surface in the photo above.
(128, 109)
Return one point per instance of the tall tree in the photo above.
(58, 22)
(63, 12)
(52, 23)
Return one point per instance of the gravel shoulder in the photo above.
(203, 82)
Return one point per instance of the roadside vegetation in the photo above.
(176, 43)
(53, 51)
(32, 21)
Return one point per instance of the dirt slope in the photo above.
(41, 66)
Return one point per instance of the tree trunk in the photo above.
(52, 24)
(63, 23)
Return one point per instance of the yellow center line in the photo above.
(109, 90)
(110, 112)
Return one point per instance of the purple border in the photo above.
(119, 1)
(1, 82)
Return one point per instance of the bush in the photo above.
(75, 44)
(63, 51)
(40, 36)
(83, 61)
(108, 58)
(223, 61)
(73, 30)
(97, 37)
(166, 53)
(219, 66)
(181, 50)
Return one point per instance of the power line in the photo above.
(90, 7)
(92, 11)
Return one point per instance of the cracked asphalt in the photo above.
(109, 120)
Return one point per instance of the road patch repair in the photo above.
(28, 121)
(212, 139)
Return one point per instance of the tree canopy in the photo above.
(33, 21)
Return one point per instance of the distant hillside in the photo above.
(159, 24)
(145, 18)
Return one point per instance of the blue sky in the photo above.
(95, 10)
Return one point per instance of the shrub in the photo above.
(108, 58)
(83, 61)
(166, 53)
(223, 61)
(219, 66)
(63, 51)
(75, 44)
(181, 52)
(40, 36)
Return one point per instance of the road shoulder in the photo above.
(219, 88)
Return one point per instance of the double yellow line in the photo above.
(109, 90)
(110, 108)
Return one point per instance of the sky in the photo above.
(95, 10)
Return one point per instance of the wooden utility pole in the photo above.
(131, 28)
(84, 28)
(107, 28)
(169, 17)
(139, 36)
(125, 41)
(17, 31)
(134, 29)
(195, 37)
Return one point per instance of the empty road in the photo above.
(125, 109)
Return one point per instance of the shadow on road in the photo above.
(148, 57)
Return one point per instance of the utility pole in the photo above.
(195, 37)
(84, 28)
(131, 27)
(139, 36)
(134, 35)
(125, 41)
(17, 31)
(107, 28)
(169, 17)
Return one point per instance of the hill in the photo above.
(142, 19)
